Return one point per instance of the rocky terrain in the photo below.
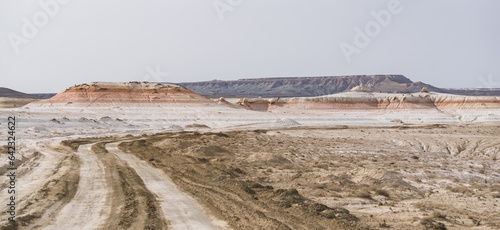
(138, 155)
(422, 177)
(318, 86)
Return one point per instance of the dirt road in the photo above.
(87, 210)
(182, 211)
(84, 186)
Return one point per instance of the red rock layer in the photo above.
(357, 101)
(102, 93)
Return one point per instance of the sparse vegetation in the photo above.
(329, 170)
(322, 174)
(364, 195)
(382, 192)
(438, 215)
(430, 224)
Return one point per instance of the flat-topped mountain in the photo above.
(118, 93)
(318, 86)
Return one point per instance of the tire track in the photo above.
(87, 210)
(51, 182)
(133, 206)
(180, 210)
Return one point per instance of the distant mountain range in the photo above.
(6, 92)
(318, 86)
(43, 95)
(299, 87)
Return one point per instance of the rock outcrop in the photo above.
(374, 101)
(120, 93)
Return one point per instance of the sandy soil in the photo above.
(50, 173)
(88, 208)
(216, 183)
(181, 210)
(421, 177)
(84, 189)
(406, 177)
(8, 102)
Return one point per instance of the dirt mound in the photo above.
(133, 93)
(222, 100)
(175, 128)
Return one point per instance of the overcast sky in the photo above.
(49, 45)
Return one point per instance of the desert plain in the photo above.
(141, 155)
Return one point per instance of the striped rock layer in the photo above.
(121, 93)
(374, 101)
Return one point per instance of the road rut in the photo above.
(182, 211)
(87, 210)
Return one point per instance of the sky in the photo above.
(50, 45)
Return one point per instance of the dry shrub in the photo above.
(289, 166)
(478, 186)
(320, 186)
(429, 223)
(438, 215)
(420, 206)
(382, 192)
(321, 166)
(363, 194)
(495, 188)
(335, 187)
(459, 189)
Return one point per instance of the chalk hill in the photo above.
(119, 93)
